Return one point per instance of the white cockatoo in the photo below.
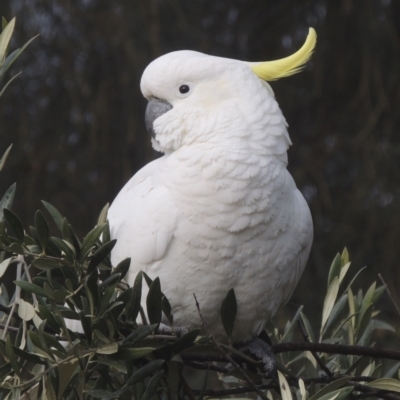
(219, 210)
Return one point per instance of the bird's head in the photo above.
(193, 97)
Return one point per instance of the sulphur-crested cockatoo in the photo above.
(219, 210)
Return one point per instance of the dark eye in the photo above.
(184, 89)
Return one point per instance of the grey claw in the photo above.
(263, 352)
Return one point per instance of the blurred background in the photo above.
(76, 114)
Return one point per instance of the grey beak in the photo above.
(155, 108)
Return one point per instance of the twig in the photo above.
(374, 352)
(28, 275)
(19, 261)
(389, 293)
(315, 355)
(294, 382)
(211, 367)
(231, 360)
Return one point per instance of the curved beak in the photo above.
(155, 108)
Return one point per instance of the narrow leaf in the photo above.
(7, 200)
(99, 255)
(334, 270)
(4, 265)
(103, 215)
(15, 224)
(90, 240)
(144, 372)
(3, 159)
(5, 37)
(330, 388)
(109, 348)
(42, 228)
(55, 214)
(133, 306)
(228, 312)
(284, 387)
(31, 288)
(152, 386)
(329, 301)
(154, 302)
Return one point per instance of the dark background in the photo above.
(75, 115)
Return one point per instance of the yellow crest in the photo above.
(272, 70)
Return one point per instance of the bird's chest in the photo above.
(226, 208)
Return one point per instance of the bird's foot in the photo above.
(168, 330)
(263, 352)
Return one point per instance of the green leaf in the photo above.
(329, 300)
(42, 229)
(110, 280)
(45, 344)
(307, 327)
(145, 371)
(228, 312)
(368, 300)
(330, 388)
(116, 364)
(7, 200)
(284, 387)
(334, 270)
(343, 271)
(152, 386)
(8, 83)
(105, 301)
(154, 302)
(5, 38)
(105, 394)
(344, 258)
(364, 322)
(378, 293)
(185, 341)
(25, 310)
(46, 314)
(12, 357)
(4, 265)
(386, 384)
(337, 311)
(167, 309)
(289, 328)
(103, 215)
(108, 348)
(31, 288)
(90, 241)
(65, 247)
(133, 353)
(339, 394)
(46, 264)
(101, 253)
(138, 334)
(22, 354)
(15, 224)
(3, 159)
(55, 214)
(133, 306)
(69, 235)
(122, 268)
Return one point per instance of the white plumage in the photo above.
(219, 210)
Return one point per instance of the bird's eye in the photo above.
(183, 89)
